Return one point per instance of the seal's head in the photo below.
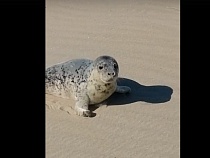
(107, 68)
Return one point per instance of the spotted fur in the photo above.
(89, 82)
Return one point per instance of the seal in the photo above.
(89, 82)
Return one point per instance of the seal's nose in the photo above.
(111, 73)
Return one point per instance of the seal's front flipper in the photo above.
(81, 107)
(123, 89)
(82, 112)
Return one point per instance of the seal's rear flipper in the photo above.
(123, 89)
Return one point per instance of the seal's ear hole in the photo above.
(115, 66)
(100, 67)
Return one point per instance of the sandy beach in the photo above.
(144, 37)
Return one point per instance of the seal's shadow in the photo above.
(151, 94)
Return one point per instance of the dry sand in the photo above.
(144, 37)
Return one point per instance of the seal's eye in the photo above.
(115, 66)
(100, 67)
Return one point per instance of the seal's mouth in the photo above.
(108, 81)
(108, 78)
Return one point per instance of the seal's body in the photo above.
(90, 82)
